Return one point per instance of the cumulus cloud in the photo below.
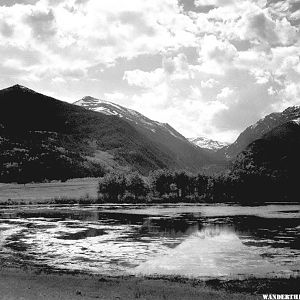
(143, 79)
(209, 83)
(215, 55)
(6, 29)
(213, 49)
(42, 24)
(213, 2)
(171, 92)
(13, 2)
(262, 76)
(258, 25)
(225, 93)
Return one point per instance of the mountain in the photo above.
(208, 144)
(278, 149)
(273, 162)
(44, 138)
(134, 117)
(260, 128)
(186, 155)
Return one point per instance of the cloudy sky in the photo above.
(207, 67)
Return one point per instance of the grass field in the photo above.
(40, 192)
(29, 285)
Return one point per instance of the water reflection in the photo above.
(215, 250)
(184, 240)
(170, 227)
(90, 232)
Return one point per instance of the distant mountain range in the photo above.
(209, 144)
(44, 138)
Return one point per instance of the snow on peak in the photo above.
(100, 105)
(110, 108)
(206, 143)
(88, 101)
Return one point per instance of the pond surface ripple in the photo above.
(187, 240)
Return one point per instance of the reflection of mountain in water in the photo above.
(90, 232)
(183, 240)
(217, 231)
(212, 251)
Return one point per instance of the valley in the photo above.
(47, 139)
(149, 149)
(102, 194)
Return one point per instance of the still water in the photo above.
(187, 240)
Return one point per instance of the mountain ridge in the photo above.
(273, 163)
(38, 130)
(111, 108)
(160, 133)
(257, 130)
(206, 143)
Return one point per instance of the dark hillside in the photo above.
(277, 150)
(274, 157)
(44, 138)
(185, 155)
(257, 130)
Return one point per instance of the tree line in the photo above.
(256, 186)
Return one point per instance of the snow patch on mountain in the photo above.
(110, 108)
(206, 143)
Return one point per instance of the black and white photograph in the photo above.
(149, 149)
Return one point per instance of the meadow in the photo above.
(43, 192)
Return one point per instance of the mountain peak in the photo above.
(292, 109)
(136, 118)
(92, 102)
(206, 143)
(19, 87)
(89, 98)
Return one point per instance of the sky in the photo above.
(207, 67)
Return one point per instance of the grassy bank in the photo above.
(44, 192)
(20, 284)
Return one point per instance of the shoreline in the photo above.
(29, 283)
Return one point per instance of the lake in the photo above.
(188, 240)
